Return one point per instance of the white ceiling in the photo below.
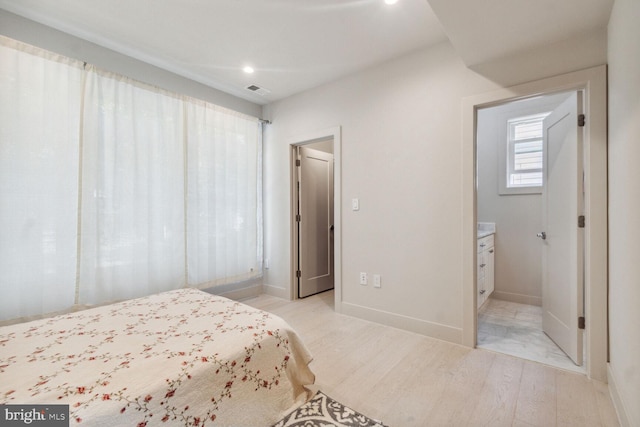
(295, 45)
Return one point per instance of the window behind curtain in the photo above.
(170, 187)
(40, 97)
(224, 227)
(133, 237)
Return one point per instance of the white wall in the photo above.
(518, 217)
(400, 150)
(30, 32)
(624, 206)
(401, 156)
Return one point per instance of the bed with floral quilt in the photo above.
(182, 357)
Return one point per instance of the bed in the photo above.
(182, 357)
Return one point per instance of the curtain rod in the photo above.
(265, 121)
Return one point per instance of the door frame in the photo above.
(333, 133)
(593, 83)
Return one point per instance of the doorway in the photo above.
(314, 218)
(316, 267)
(517, 146)
(592, 82)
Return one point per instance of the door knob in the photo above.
(542, 235)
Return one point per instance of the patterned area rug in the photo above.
(323, 411)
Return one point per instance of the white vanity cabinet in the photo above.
(486, 268)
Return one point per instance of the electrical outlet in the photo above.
(363, 278)
(377, 281)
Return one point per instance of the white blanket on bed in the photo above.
(182, 357)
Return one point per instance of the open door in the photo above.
(562, 237)
(315, 221)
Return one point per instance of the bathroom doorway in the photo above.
(593, 83)
(513, 166)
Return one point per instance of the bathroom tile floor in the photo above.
(516, 329)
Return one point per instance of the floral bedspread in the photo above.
(179, 358)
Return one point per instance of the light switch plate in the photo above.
(377, 281)
(355, 204)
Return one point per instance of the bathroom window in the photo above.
(524, 155)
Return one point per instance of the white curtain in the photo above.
(40, 113)
(224, 225)
(133, 238)
(111, 189)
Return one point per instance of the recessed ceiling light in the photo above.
(391, 1)
(248, 70)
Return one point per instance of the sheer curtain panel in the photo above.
(133, 236)
(40, 97)
(224, 223)
(111, 189)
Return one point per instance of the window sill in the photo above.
(514, 191)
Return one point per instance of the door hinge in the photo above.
(581, 221)
(298, 274)
(581, 120)
(298, 218)
(581, 322)
(297, 162)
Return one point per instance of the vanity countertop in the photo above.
(486, 229)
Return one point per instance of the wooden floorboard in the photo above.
(537, 396)
(498, 398)
(405, 379)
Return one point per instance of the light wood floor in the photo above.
(405, 379)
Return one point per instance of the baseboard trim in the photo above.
(422, 327)
(243, 293)
(618, 401)
(275, 291)
(518, 298)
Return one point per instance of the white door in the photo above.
(315, 222)
(562, 280)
